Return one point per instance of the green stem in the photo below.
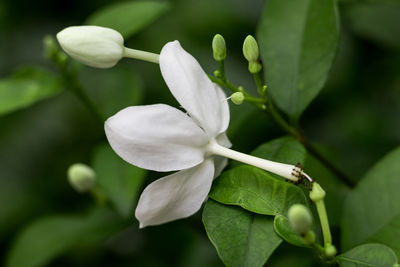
(141, 55)
(323, 217)
(257, 80)
(221, 64)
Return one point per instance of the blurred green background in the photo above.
(355, 118)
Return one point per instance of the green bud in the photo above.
(219, 47)
(309, 237)
(300, 219)
(81, 177)
(237, 98)
(217, 73)
(250, 49)
(330, 250)
(255, 67)
(317, 193)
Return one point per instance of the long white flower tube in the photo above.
(162, 138)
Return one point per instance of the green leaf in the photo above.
(26, 87)
(284, 149)
(368, 255)
(283, 228)
(256, 190)
(128, 17)
(241, 238)
(298, 41)
(386, 27)
(48, 238)
(113, 89)
(119, 180)
(372, 211)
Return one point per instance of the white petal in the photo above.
(219, 165)
(156, 137)
(175, 196)
(190, 85)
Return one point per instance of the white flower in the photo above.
(162, 138)
(95, 46)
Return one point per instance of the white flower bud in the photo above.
(81, 177)
(95, 46)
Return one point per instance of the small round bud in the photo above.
(250, 49)
(330, 250)
(219, 47)
(309, 237)
(255, 67)
(217, 73)
(317, 193)
(237, 98)
(300, 218)
(264, 88)
(81, 177)
(95, 46)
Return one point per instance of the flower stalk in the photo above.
(288, 171)
(141, 55)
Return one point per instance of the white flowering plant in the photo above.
(187, 154)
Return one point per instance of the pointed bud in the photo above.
(237, 98)
(250, 49)
(219, 47)
(317, 193)
(81, 177)
(95, 46)
(300, 219)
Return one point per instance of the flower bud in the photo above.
(219, 47)
(237, 98)
(250, 49)
(330, 250)
(81, 177)
(92, 45)
(309, 237)
(300, 219)
(317, 193)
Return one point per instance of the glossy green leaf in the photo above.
(128, 17)
(372, 211)
(368, 255)
(113, 89)
(241, 238)
(256, 190)
(119, 180)
(48, 238)
(284, 230)
(298, 41)
(26, 87)
(284, 149)
(386, 17)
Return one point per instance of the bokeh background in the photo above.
(355, 118)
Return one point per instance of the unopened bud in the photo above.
(237, 98)
(317, 193)
(330, 250)
(309, 237)
(219, 47)
(217, 73)
(250, 49)
(95, 46)
(255, 67)
(81, 177)
(300, 219)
